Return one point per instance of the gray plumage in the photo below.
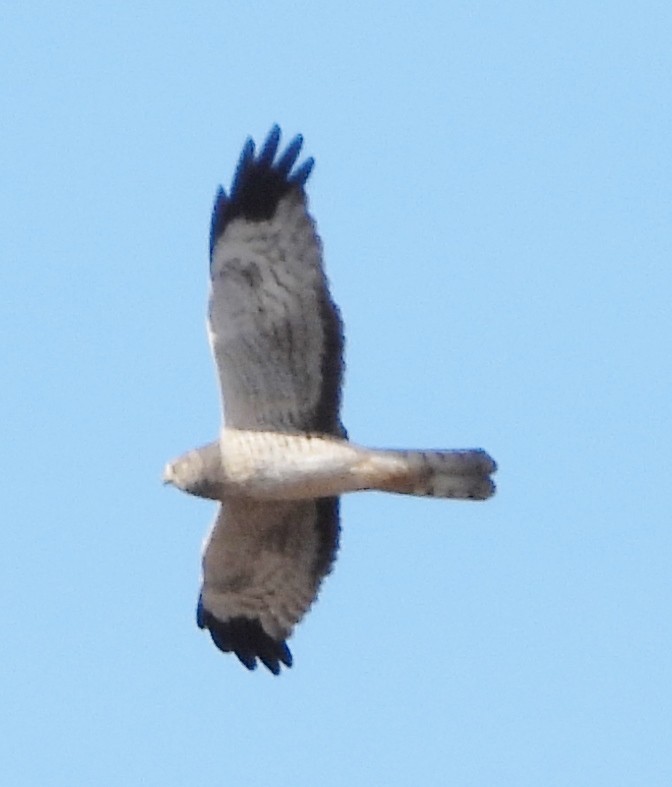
(282, 457)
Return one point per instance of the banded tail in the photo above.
(457, 474)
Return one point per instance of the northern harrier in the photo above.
(282, 457)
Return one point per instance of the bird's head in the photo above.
(197, 472)
(184, 472)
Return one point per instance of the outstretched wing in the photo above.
(277, 341)
(275, 333)
(262, 568)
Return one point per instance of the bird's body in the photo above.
(282, 457)
(285, 466)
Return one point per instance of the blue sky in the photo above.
(493, 189)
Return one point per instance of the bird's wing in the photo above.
(276, 335)
(262, 567)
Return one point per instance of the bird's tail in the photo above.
(461, 475)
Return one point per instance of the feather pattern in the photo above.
(277, 341)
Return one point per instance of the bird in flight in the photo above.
(283, 457)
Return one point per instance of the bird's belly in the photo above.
(279, 466)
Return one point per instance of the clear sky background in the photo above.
(493, 189)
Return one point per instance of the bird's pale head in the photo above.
(197, 472)
(184, 472)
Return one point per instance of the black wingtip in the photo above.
(301, 175)
(246, 158)
(289, 157)
(246, 639)
(259, 184)
(270, 147)
(218, 210)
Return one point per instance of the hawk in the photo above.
(282, 457)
